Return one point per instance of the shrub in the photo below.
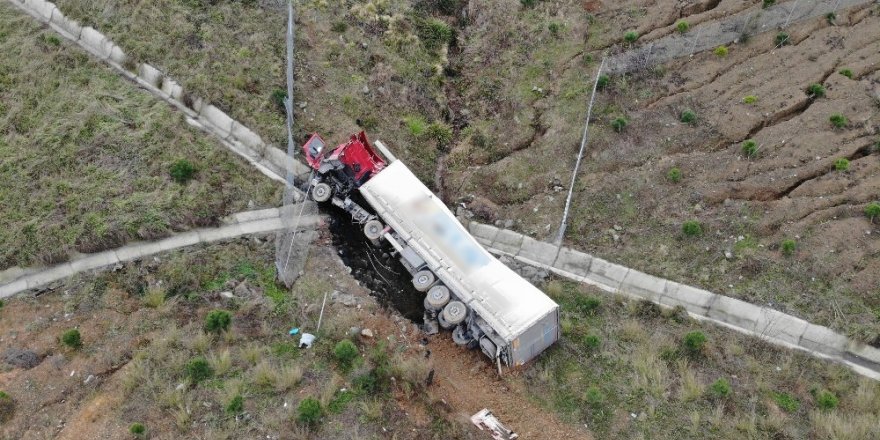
(603, 82)
(782, 39)
(339, 27)
(786, 402)
(345, 353)
(750, 99)
(768, 3)
(826, 400)
(435, 33)
(618, 124)
(841, 164)
(199, 369)
(7, 407)
(721, 388)
(182, 171)
(831, 17)
(847, 73)
(416, 125)
(692, 228)
(788, 246)
(236, 405)
(528, 3)
(278, 96)
(440, 132)
(554, 28)
(217, 321)
(682, 26)
(2, 303)
(816, 90)
(872, 211)
(631, 37)
(674, 175)
(721, 51)
(309, 411)
(594, 397)
(694, 342)
(838, 120)
(138, 429)
(688, 116)
(750, 148)
(592, 342)
(587, 305)
(72, 339)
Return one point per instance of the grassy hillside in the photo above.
(87, 157)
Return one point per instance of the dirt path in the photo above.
(469, 383)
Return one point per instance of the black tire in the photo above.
(373, 229)
(423, 280)
(321, 192)
(437, 297)
(455, 312)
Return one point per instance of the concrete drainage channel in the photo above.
(245, 223)
(768, 324)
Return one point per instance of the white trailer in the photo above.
(488, 304)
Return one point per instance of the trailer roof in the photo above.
(509, 303)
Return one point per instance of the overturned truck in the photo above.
(468, 291)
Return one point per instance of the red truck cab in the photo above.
(356, 158)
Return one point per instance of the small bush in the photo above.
(619, 124)
(694, 342)
(838, 120)
(682, 26)
(345, 353)
(554, 28)
(841, 164)
(768, 3)
(7, 407)
(278, 96)
(138, 429)
(587, 305)
(528, 3)
(816, 90)
(847, 73)
(872, 211)
(721, 51)
(592, 342)
(309, 411)
(826, 400)
(786, 402)
(416, 125)
(236, 405)
(782, 39)
(688, 117)
(217, 321)
(674, 175)
(72, 339)
(603, 82)
(750, 99)
(692, 228)
(435, 33)
(594, 397)
(2, 303)
(199, 369)
(440, 132)
(788, 247)
(721, 388)
(831, 17)
(182, 171)
(631, 37)
(750, 148)
(339, 27)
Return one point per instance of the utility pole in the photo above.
(577, 164)
(288, 101)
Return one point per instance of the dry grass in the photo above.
(221, 362)
(264, 375)
(90, 154)
(289, 377)
(690, 387)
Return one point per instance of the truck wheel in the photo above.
(373, 229)
(423, 280)
(454, 312)
(321, 192)
(437, 297)
(462, 337)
